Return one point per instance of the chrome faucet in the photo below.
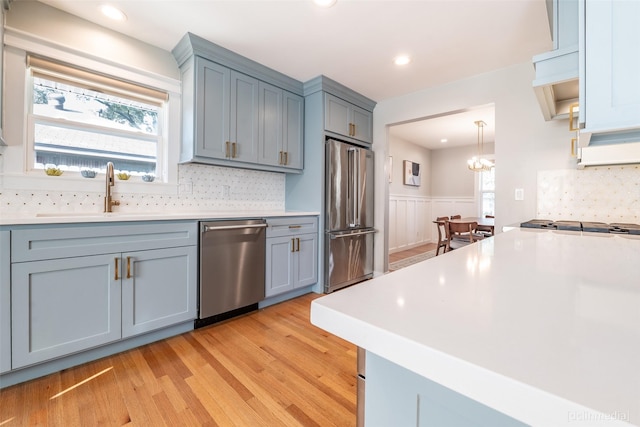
(110, 182)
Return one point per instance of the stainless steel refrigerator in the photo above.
(349, 215)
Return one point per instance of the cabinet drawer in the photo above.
(291, 225)
(65, 241)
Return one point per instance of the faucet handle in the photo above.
(115, 202)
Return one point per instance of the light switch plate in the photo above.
(519, 194)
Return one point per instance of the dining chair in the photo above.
(441, 223)
(486, 230)
(456, 216)
(460, 234)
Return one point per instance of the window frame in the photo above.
(32, 119)
(482, 191)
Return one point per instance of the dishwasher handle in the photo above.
(232, 227)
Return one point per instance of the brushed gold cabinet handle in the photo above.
(286, 157)
(280, 161)
(233, 150)
(572, 108)
(293, 245)
(295, 226)
(117, 262)
(573, 147)
(298, 241)
(129, 267)
(226, 149)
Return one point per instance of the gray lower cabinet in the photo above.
(292, 254)
(158, 288)
(72, 290)
(418, 401)
(5, 302)
(63, 306)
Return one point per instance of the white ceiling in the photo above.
(458, 128)
(353, 42)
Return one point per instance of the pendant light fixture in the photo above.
(479, 163)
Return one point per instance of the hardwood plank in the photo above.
(267, 368)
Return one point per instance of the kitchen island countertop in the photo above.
(543, 326)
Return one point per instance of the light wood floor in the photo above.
(397, 256)
(267, 368)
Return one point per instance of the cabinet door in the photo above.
(63, 306)
(279, 266)
(306, 262)
(293, 130)
(158, 288)
(336, 115)
(362, 121)
(271, 150)
(212, 109)
(612, 85)
(5, 302)
(244, 117)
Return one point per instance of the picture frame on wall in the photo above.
(411, 173)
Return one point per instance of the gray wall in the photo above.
(524, 142)
(450, 176)
(402, 150)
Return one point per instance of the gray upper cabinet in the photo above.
(211, 126)
(281, 127)
(225, 124)
(346, 119)
(243, 143)
(237, 112)
(610, 66)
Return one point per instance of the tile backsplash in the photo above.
(202, 188)
(602, 194)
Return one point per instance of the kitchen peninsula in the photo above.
(531, 327)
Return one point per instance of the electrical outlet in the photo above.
(186, 187)
(519, 194)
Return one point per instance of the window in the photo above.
(82, 120)
(488, 192)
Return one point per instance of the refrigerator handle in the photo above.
(351, 186)
(356, 190)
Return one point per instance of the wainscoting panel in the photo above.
(409, 222)
(411, 218)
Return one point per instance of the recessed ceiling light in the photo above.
(443, 140)
(113, 13)
(325, 3)
(401, 60)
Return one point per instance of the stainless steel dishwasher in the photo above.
(232, 268)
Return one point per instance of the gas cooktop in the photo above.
(593, 227)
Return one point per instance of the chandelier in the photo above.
(479, 163)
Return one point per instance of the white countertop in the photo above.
(82, 217)
(541, 325)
